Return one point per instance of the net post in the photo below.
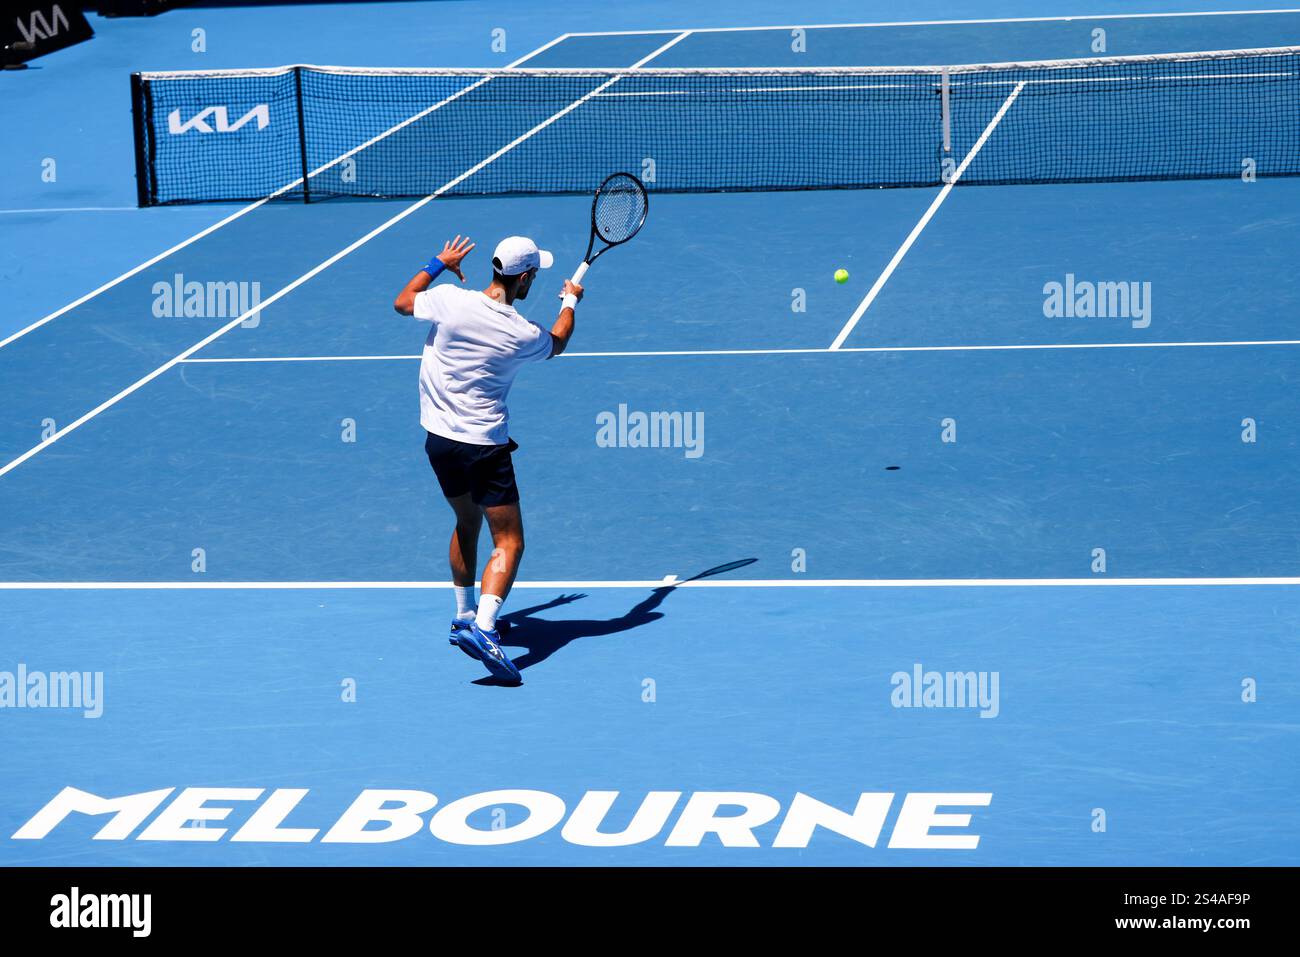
(302, 133)
(947, 115)
(139, 107)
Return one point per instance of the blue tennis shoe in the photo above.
(465, 628)
(486, 647)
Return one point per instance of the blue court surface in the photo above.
(915, 475)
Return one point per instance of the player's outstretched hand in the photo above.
(572, 288)
(453, 252)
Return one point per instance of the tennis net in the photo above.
(306, 132)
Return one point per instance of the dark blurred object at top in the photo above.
(32, 28)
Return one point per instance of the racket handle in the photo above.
(579, 273)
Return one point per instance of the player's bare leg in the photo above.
(506, 524)
(484, 641)
(463, 552)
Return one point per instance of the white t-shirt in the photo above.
(473, 353)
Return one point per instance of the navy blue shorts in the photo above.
(484, 471)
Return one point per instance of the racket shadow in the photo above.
(542, 637)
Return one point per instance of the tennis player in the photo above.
(475, 349)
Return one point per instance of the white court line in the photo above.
(145, 380)
(246, 209)
(925, 218)
(1098, 582)
(942, 23)
(791, 352)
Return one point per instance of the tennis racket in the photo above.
(618, 212)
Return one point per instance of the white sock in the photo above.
(465, 604)
(488, 606)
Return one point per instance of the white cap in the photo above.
(517, 254)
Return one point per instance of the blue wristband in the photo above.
(434, 267)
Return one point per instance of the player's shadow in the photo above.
(543, 637)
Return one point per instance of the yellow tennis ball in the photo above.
(841, 276)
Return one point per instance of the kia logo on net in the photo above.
(220, 120)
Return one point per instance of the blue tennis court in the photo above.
(1006, 523)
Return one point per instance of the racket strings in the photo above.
(619, 211)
